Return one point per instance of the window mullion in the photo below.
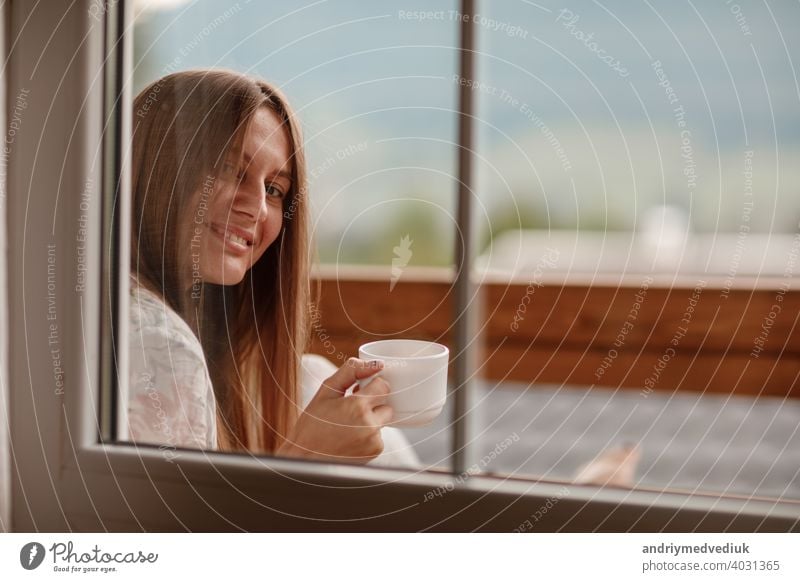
(465, 317)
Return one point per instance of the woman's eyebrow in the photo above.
(284, 174)
(280, 174)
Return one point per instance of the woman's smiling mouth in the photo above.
(234, 237)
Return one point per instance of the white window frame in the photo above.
(5, 444)
(65, 479)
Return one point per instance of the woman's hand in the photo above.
(335, 427)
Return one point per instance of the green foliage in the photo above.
(431, 241)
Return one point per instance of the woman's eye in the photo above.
(274, 192)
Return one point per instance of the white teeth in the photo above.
(236, 239)
(232, 237)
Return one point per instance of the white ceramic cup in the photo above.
(416, 371)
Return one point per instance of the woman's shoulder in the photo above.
(152, 318)
(171, 399)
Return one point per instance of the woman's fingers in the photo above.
(375, 387)
(377, 391)
(353, 369)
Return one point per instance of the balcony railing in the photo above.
(635, 332)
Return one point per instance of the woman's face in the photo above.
(245, 207)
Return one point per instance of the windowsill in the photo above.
(247, 470)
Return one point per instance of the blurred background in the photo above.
(652, 143)
(576, 126)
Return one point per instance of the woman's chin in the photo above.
(228, 277)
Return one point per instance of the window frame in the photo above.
(66, 479)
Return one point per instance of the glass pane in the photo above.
(635, 164)
(230, 215)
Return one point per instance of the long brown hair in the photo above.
(253, 334)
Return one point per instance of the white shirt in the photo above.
(171, 400)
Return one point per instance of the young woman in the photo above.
(220, 280)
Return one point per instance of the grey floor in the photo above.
(738, 445)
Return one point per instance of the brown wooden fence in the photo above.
(636, 333)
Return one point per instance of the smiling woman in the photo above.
(245, 215)
(220, 280)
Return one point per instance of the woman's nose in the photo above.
(251, 201)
